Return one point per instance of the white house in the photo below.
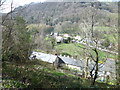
(59, 39)
(66, 35)
(77, 37)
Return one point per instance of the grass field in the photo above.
(75, 49)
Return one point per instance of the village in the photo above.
(59, 44)
(80, 67)
(66, 38)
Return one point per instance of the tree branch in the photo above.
(2, 2)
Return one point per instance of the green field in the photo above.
(74, 49)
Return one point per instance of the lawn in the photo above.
(75, 49)
(72, 49)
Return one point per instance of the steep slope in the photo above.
(52, 13)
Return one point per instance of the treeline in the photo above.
(53, 13)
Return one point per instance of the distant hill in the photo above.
(52, 13)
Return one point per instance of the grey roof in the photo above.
(51, 58)
(108, 66)
(70, 61)
(44, 57)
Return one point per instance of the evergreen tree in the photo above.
(18, 44)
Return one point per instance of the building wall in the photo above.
(73, 67)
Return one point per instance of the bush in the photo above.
(16, 41)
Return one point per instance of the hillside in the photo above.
(38, 74)
(52, 13)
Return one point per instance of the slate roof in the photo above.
(108, 66)
(51, 58)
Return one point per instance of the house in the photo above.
(77, 38)
(109, 69)
(105, 70)
(59, 39)
(54, 34)
(73, 63)
(66, 35)
(70, 62)
(66, 38)
(58, 63)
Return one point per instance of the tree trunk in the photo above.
(86, 74)
(96, 67)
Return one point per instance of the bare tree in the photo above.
(2, 2)
(88, 26)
